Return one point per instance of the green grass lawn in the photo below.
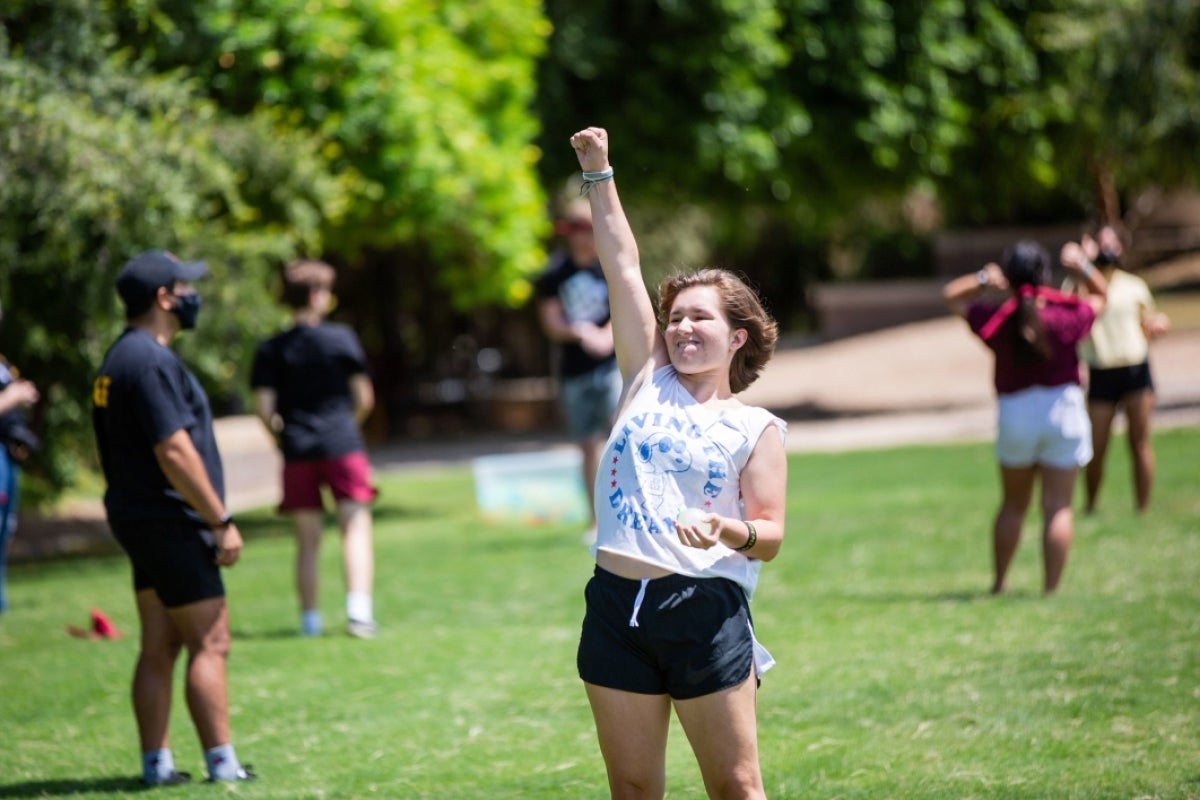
(898, 676)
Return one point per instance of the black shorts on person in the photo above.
(1111, 384)
(175, 558)
(684, 637)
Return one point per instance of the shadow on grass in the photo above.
(982, 595)
(66, 787)
(266, 635)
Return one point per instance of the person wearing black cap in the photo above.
(165, 505)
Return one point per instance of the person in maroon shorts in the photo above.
(313, 390)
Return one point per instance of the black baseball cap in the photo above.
(144, 274)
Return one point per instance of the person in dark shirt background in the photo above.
(313, 390)
(573, 312)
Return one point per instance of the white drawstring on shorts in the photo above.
(637, 603)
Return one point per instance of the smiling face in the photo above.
(698, 336)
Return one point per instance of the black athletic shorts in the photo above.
(1112, 384)
(680, 636)
(174, 558)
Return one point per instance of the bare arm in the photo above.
(181, 463)
(959, 292)
(636, 337)
(764, 493)
(596, 340)
(554, 321)
(1076, 261)
(362, 391)
(18, 394)
(1154, 322)
(264, 407)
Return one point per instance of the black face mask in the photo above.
(187, 309)
(1106, 257)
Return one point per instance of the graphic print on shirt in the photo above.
(584, 298)
(663, 461)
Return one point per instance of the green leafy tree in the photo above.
(426, 105)
(820, 121)
(100, 160)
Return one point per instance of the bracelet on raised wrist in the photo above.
(590, 179)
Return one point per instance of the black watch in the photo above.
(225, 521)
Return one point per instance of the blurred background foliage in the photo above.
(419, 147)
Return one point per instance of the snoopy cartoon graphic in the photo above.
(658, 455)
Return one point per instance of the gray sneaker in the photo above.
(245, 773)
(360, 629)
(176, 778)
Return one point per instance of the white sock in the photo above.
(222, 763)
(310, 623)
(157, 765)
(359, 607)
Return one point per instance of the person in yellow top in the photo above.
(1118, 357)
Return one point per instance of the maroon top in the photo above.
(1066, 320)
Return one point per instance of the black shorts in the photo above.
(684, 637)
(1112, 384)
(172, 557)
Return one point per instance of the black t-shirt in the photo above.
(309, 367)
(584, 296)
(142, 395)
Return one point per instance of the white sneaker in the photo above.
(360, 629)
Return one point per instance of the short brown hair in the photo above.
(742, 309)
(302, 278)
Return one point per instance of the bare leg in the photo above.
(723, 731)
(309, 523)
(204, 627)
(154, 673)
(632, 729)
(358, 553)
(1017, 484)
(1101, 415)
(1138, 409)
(1058, 485)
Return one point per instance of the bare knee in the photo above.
(633, 788)
(743, 784)
(159, 656)
(216, 643)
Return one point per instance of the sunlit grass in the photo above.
(898, 676)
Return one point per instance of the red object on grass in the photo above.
(102, 626)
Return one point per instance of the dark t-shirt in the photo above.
(309, 367)
(584, 297)
(142, 395)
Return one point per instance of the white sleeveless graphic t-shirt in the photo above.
(666, 453)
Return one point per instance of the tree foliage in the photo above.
(100, 160)
(411, 143)
(425, 105)
(829, 116)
